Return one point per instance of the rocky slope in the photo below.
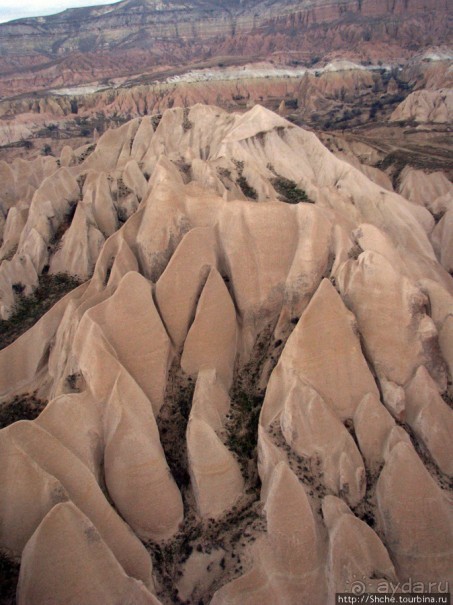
(322, 96)
(336, 96)
(426, 107)
(134, 36)
(255, 376)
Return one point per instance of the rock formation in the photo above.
(249, 395)
(48, 563)
(130, 37)
(432, 106)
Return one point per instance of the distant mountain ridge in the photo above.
(128, 37)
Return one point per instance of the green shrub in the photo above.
(288, 191)
(245, 186)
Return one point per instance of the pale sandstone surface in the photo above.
(337, 370)
(81, 245)
(21, 362)
(179, 286)
(124, 262)
(134, 463)
(440, 300)
(237, 382)
(67, 560)
(21, 178)
(441, 305)
(430, 418)
(174, 210)
(288, 566)
(374, 174)
(49, 204)
(442, 240)
(446, 344)
(128, 320)
(215, 473)
(210, 401)
(426, 106)
(12, 228)
(26, 502)
(199, 571)
(134, 178)
(136, 472)
(355, 551)
(293, 265)
(97, 193)
(67, 156)
(216, 477)
(113, 148)
(74, 419)
(425, 188)
(397, 333)
(219, 141)
(369, 237)
(416, 517)
(373, 424)
(312, 429)
(211, 340)
(52, 484)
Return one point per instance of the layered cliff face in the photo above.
(132, 36)
(255, 376)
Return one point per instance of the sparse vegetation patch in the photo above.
(289, 192)
(243, 430)
(186, 123)
(172, 423)
(224, 173)
(22, 407)
(29, 309)
(55, 241)
(155, 120)
(88, 151)
(245, 186)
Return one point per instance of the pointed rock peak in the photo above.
(333, 509)
(66, 557)
(286, 493)
(215, 474)
(290, 520)
(327, 293)
(211, 341)
(257, 120)
(133, 282)
(339, 372)
(165, 172)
